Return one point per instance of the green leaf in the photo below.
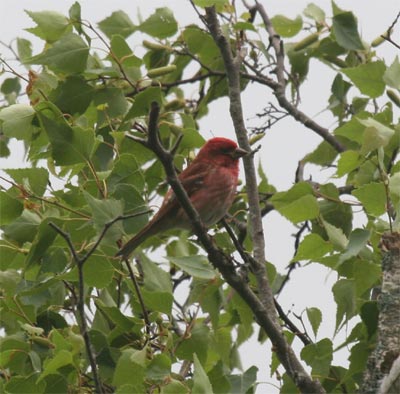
(24, 48)
(348, 162)
(201, 43)
(394, 186)
(210, 3)
(338, 214)
(11, 86)
(352, 130)
(358, 358)
(340, 88)
(156, 279)
(74, 13)
(103, 212)
(143, 100)
(313, 247)
(17, 121)
(157, 289)
(25, 384)
(73, 95)
(287, 27)
(323, 155)
(44, 238)
(373, 198)
(61, 359)
(196, 266)
(244, 26)
(376, 135)
(218, 378)
(121, 50)
(69, 145)
(318, 356)
(357, 241)
(344, 293)
(159, 367)
(201, 383)
(314, 12)
(174, 387)
(370, 315)
(113, 100)
(51, 25)
(98, 271)
(392, 74)
(297, 204)
(68, 55)
(10, 208)
(56, 384)
(116, 316)
(246, 318)
(131, 369)
(117, 23)
(366, 275)
(161, 24)
(126, 171)
(198, 344)
(345, 29)
(335, 235)
(34, 180)
(24, 228)
(368, 78)
(244, 383)
(315, 318)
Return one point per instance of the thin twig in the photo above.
(81, 308)
(291, 326)
(279, 89)
(140, 297)
(80, 261)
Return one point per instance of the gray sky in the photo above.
(309, 286)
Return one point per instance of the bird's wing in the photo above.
(192, 179)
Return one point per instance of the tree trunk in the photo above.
(383, 369)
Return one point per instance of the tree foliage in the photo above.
(76, 318)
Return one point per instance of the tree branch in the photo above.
(232, 66)
(81, 309)
(263, 308)
(80, 261)
(280, 87)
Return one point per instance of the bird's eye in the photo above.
(226, 151)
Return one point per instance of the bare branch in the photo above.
(388, 35)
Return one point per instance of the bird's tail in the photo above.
(135, 241)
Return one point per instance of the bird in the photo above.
(210, 182)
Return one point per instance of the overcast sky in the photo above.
(310, 286)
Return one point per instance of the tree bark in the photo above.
(383, 368)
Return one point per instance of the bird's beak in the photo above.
(239, 152)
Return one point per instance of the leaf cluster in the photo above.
(81, 100)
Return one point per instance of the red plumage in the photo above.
(210, 182)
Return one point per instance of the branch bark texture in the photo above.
(381, 375)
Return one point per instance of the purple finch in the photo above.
(210, 182)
